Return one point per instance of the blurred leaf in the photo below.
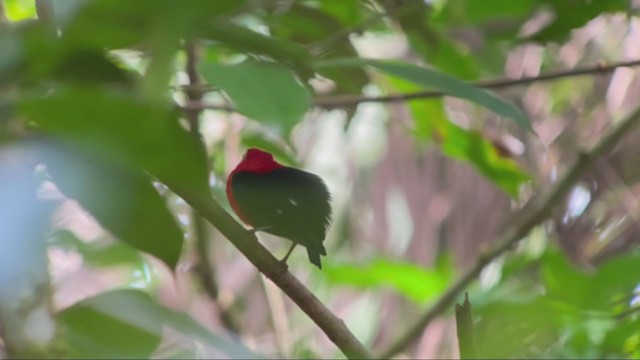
(128, 323)
(117, 324)
(264, 91)
(418, 284)
(317, 28)
(348, 12)
(17, 10)
(569, 15)
(475, 13)
(120, 24)
(623, 340)
(121, 199)
(246, 40)
(120, 126)
(188, 326)
(429, 78)
(452, 58)
(97, 253)
(431, 122)
(590, 290)
(508, 329)
(471, 146)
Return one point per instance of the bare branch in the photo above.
(537, 210)
(353, 100)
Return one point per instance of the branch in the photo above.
(353, 100)
(537, 210)
(205, 268)
(248, 245)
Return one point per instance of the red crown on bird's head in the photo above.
(257, 161)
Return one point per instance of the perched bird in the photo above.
(282, 201)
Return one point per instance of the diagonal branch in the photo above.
(248, 244)
(537, 210)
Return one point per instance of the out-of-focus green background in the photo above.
(111, 109)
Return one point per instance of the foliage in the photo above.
(97, 96)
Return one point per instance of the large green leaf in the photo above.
(416, 283)
(128, 324)
(433, 79)
(119, 24)
(118, 124)
(316, 28)
(264, 91)
(106, 139)
(248, 41)
(122, 199)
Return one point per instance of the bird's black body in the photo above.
(285, 202)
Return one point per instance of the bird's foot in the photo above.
(283, 263)
(286, 257)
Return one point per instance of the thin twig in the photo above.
(537, 210)
(351, 100)
(338, 101)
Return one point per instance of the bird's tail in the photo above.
(314, 254)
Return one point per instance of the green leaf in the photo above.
(128, 323)
(264, 91)
(315, 28)
(430, 78)
(475, 13)
(516, 329)
(117, 324)
(472, 147)
(569, 15)
(122, 199)
(414, 282)
(119, 24)
(594, 290)
(119, 125)
(17, 10)
(98, 253)
(431, 122)
(248, 41)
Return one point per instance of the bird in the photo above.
(282, 201)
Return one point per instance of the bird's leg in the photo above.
(286, 257)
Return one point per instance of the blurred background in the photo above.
(421, 188)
